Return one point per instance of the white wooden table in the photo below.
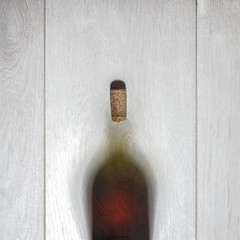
(180, 61)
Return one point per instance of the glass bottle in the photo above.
(119, 195)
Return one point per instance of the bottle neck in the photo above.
(119, 137)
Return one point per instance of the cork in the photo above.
(118, 104)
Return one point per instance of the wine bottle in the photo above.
(119, 196)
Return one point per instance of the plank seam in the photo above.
(44, 101)
(196, 121)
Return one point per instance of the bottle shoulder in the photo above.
(120, 169)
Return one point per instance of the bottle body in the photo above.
(119, 198)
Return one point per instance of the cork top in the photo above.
(118, 100)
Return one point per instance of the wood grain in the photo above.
(218, 120)
(21, 119)
(151, 46)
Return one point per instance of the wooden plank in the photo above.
(151, 46)
(21, 119)
(218, 120)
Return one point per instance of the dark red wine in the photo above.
(120, 199)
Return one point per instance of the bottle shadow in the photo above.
(85, 175)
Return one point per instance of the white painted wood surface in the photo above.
(21, 119)
(151, 46)
(218, 120)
